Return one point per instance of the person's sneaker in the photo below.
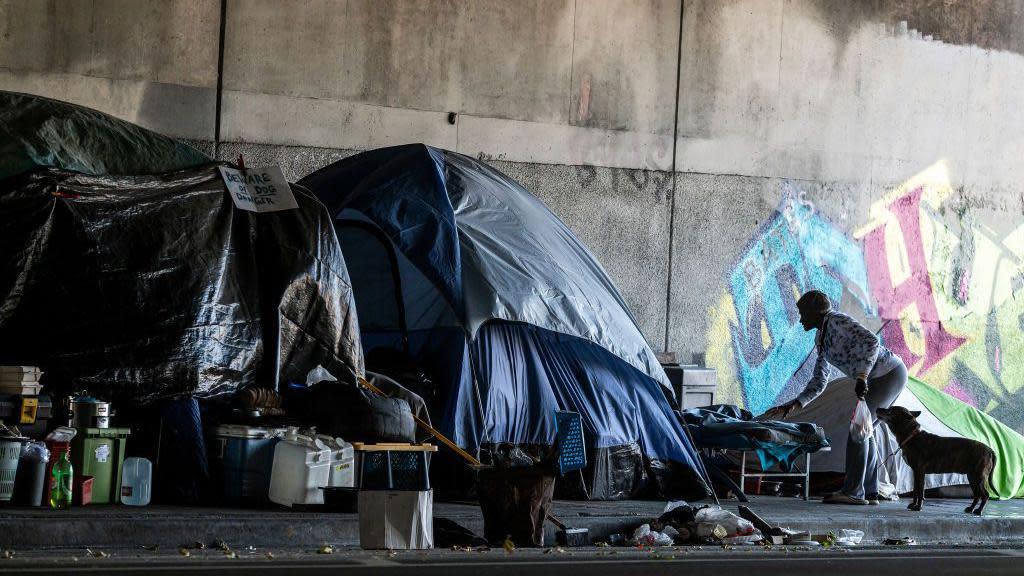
(872, 499)
(840, 498)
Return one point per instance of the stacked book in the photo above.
(23, 380)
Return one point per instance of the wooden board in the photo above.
(393, 447)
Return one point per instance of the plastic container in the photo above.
(243, 457)
(342, 462)
(31, 479)
(302, 465)
(99, 452)
(136, 481)
(10, 451)
(394, 470)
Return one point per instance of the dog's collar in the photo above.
(911, 437)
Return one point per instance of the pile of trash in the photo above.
(682, 524)
(685, 524)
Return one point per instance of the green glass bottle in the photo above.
(60, 483)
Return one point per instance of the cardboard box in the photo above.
(396, 520)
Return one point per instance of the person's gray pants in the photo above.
(862, 457)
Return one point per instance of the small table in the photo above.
(806, 474)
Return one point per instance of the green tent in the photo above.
(37, 131)
(969, 422)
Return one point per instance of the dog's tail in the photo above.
(991, 471)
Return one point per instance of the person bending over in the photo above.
(845, 344)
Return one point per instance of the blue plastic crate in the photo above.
(572, 454)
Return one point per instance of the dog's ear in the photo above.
(915, 413)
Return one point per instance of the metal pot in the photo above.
(90, 413)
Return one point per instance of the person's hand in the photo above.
(780, 412)
(862, 388)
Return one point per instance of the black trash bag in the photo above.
(680, 515)
(448, 533)
(356, 414)
(181, 472)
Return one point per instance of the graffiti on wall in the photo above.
(946, 287)
(757, 330)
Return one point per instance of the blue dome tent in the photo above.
(463, 270)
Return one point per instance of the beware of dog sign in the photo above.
(258, 189)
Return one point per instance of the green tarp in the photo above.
(1008, 476)
(36, 131)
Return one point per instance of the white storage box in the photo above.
(15, 374)
(23, 389)
(21, 380)
(396, 520)
(19, 370)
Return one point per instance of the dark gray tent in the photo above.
(37, 131)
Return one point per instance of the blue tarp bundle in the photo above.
(469, 274)
(776, 443)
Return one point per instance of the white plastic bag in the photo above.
(751, 539)
(672, 505)
(861, 427)
(847, 537)
(644, 536)
(733, 524)
(319, 374)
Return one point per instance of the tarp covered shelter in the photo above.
(37, 131)
(145, 287)
(941, 414)
(462, 269)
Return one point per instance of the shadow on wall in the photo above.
(946, 286)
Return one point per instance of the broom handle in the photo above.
(433, 431)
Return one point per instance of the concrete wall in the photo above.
(718, 156)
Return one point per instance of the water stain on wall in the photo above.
(990, 24)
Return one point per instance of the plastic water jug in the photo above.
(301, 466)
(136, 481)
(342, 462)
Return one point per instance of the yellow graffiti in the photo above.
(720, 352)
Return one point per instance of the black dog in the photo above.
(930, 454)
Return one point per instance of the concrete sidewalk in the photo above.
(941, 521)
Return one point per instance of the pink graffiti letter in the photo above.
(917, 289)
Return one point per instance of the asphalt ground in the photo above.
(735, 561)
